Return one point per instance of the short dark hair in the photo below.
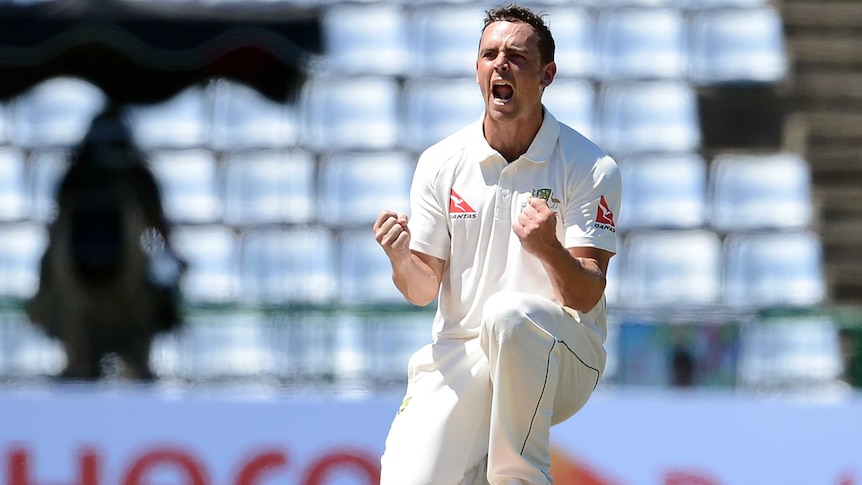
(517, 13)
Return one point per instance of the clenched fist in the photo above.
(391, 232)
(536, 226)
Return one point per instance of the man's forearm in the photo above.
(416, 280)
(578, 282)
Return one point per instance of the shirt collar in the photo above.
(543, 144)
(539, 151)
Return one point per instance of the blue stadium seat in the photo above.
(26, 351)
(243, 118)
(303, 345)
(573, 29)
(444, 39)
(616, 4)
(613, 275)
(798, 352)
(343, 113)
(269, 187)
(760, 191)
(738, 45)
(671, 268)
(655, 116)
(573, 102)
(641, 43)
(663, 191)
(14, 193)
(190, 185)
(436, 108)
(212, 252)
(182, 121)
(391, 339)
(55, 113)
(5, 124)
(695, 5)
(46, 171)
(354, 187)
(218, 346)
(289, 266)
(773, 268)
(365, 273)
(21, 247)
(361, 39)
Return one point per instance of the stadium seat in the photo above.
(391, 339)
(26, 351)
(21, 247)
(613, 275)
(616, 4)
(436, 108)
(362, 39)
(244, 118)
(655, 116)
(572, 101)
(355, 187)
(5, 124)
(269, 187)
(444, 39)
(737, 45)
(790, 352)
(55, 113)
(641, 43)
(303, 347)
(14, 194)
(365, 272)
(712, 4)
(213, 256)
(671, 268)
(182, 121)
(220, 346)
(573, 29)
(773, 268)
(760, 191)
(47, 170)
(663, 191)
(190, 186)
(343, 113)
(289, 266)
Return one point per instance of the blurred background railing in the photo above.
(735, 134)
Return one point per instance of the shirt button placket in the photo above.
(502, 209)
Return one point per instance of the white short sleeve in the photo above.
(591, 212)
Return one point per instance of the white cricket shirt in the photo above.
(465, 198)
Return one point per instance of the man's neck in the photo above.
(512, 138)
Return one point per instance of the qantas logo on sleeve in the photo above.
(459, 208)
(604, 216)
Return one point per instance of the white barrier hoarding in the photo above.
(122, 437)
(642, 438)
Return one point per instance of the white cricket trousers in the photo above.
(479, 411)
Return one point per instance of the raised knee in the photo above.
(504, 311)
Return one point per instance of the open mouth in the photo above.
(502, 91)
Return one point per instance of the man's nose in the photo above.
(501, 63)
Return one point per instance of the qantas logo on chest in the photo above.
(459, 208)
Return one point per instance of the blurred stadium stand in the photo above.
(278, 129)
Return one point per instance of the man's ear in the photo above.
(548, 74)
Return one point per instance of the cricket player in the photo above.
(511, 229)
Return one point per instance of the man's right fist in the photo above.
(393, 235)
